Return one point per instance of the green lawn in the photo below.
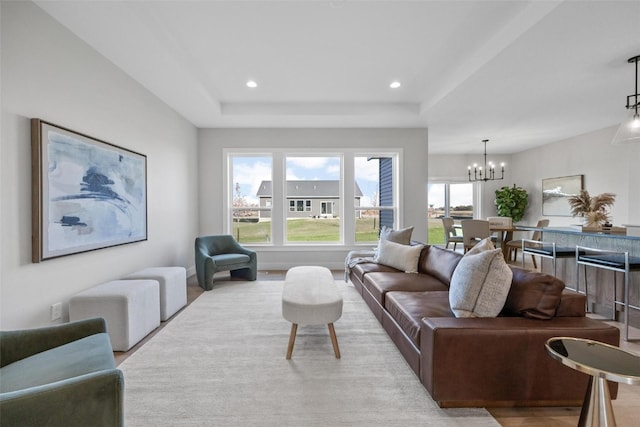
(322, 230)
(252, 232)
(313, 230)
(435, 231)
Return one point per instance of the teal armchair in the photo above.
(223, 253)
(62, 375)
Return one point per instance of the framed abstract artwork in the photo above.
(87, 194)
(556, 193)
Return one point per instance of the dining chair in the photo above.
(514, 245)
(502, 222)
(450, 235)
(474, 230)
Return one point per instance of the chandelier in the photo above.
(489, 173)
(629, 130)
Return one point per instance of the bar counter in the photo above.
(575, 231)
(600, 281)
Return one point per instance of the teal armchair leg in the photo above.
(245, 273)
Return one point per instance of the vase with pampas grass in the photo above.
(593, 209)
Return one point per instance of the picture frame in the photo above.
(556, 193)
(87, 194)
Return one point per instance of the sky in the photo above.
(249, 172)
(461, 194)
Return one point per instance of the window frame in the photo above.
(394, 208)
(228, 193)
(346, 211)
(476, 198)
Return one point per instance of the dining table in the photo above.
(504, 234)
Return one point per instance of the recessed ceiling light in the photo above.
(252, 84)
(394, 85)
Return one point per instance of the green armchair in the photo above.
(62, 375)
(223, 253)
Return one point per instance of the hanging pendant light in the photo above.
(489, 173)
(629, 130)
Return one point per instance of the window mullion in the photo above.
(279, 209)
(348, 210)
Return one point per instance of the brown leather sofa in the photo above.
(481, 362)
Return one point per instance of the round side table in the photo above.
(603, 362)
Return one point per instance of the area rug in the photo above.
(221, 362)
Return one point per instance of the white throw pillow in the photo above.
(402, 236)
(480, 283)
(396, 255)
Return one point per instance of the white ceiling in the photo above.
(520, 73)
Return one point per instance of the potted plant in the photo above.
(511, 202)
(593, 209)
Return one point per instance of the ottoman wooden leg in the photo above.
(292, 339)
(334, 340)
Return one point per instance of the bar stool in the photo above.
(616, 261)
(547, 250)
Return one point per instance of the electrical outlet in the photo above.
(56, 311)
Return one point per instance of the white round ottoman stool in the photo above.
(310, 297)
(173, 287)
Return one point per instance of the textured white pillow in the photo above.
(402, 236)
(480, 283)
(396, 255)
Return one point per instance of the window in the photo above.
(448, 199)
(316, 178)
(326, 208)
(299, 205)
(283, 197)
(376, 200)
(251, 204)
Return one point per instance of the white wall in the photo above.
(413, 173)
(49, 73)
(453, 168)
(606, 168)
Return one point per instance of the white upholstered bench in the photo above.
(173, 287)
(131, 309)
(310, 297)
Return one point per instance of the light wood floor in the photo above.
(626, 406)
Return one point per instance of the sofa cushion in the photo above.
(439, 262)
(572, 304)
(408, 309)
(402, 236)
(533, 295)
(359, 270)
(226, 260)
(402, 257)
(83, 356)
(380, 283)
(480, 283)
